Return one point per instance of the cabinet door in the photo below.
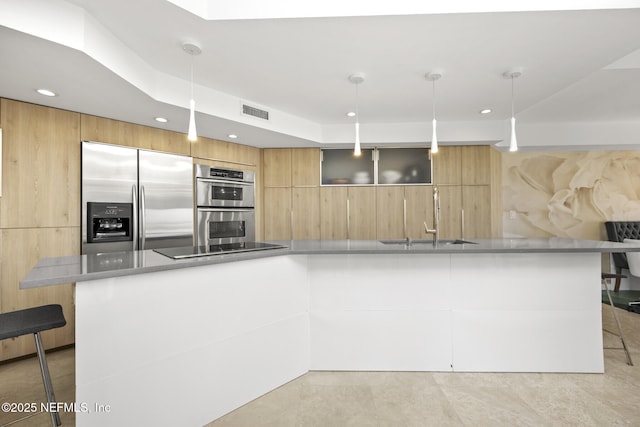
(333, 213)
(391, 219)
(419, 210)
(476, 205)
(305, 219)
(362, 213)
(40, 166)
(446, 166)
(305, 166)
(277, 213)
(277, 167)
(450, 226)
(476, 165)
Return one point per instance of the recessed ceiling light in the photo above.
(46, 92)
(232, 136)
(351, 114)
(485, 111)
(161, 119)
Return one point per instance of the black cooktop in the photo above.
(227, 248)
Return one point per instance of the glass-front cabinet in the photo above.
(379, 166)
(341, 167)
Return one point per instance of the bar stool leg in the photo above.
(46, 380)
(615, 316)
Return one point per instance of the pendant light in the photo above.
(433, 76)
(192, 50)
(513, 142)
(356, 79)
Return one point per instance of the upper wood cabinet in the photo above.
(305, 167)
(447, 166)
(116, 132)
(296, 167)
(41, 166)
(226, 153)
(276, 167)
(466, 165)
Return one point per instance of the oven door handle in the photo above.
(200, 209)
(224, 181)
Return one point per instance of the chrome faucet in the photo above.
(436, 217)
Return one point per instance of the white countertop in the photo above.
(79, 268)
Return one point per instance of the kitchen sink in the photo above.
(426, 242)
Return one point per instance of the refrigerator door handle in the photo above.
(142, 219)
(134, 201)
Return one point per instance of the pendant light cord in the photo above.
(512, 102)
(191, 76)
(433, 84)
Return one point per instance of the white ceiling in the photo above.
(122, 59)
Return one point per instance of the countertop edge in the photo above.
(83, 268)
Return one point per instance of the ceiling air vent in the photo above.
(255, 112)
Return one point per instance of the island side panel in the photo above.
(527, 312)
(184, 347)
(380, 312)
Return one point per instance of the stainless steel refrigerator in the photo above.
(135, 199)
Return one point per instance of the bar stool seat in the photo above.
(32, 321)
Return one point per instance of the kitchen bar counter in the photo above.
(203, 336)
(69, 269)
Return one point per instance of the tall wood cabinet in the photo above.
(39, 210)
(291, 193)
(469, 181)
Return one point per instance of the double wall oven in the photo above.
(225, 206)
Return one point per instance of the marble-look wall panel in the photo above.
(569, 194)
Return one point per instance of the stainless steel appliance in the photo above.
(224, 188)
(135, 199)
(225, 206)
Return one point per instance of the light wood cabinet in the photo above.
(39, 210)
(225, 154)
(470, 183)
(447, 166)
(476, 165)
(41, 166)
(305, 218)
(403, 210)
(476, 208)
(296, 170)
(348, 213)
(450, 224)
(333, 213)
(116, 132)
(276, 164)
(305, 167)
(277, 213)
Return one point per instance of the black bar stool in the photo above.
(33, 321)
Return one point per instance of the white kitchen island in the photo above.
(165, 342)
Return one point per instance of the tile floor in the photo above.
(401, 398)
